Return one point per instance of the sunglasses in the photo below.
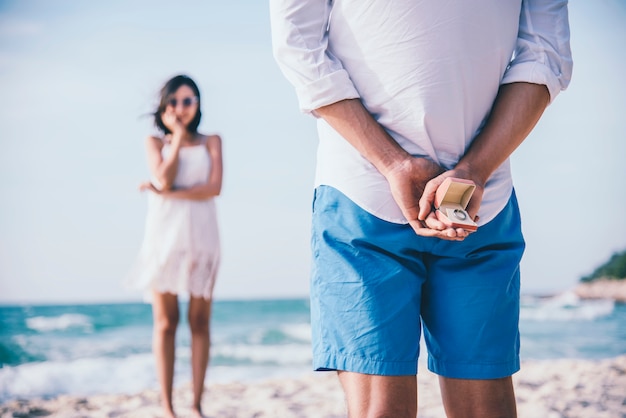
(186, 102)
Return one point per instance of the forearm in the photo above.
(167, 170)
(515, 113)
(355, 124)
(407, 175)
(201, 192)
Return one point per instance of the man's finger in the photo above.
(427, 200)
(447, 234)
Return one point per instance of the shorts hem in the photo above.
(474, 370)
(334, 362)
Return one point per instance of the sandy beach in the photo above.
(546, 389)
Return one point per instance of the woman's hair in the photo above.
(166, 92)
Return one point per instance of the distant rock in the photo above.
(603, 289)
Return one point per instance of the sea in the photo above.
(81, 350)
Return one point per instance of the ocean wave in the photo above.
(80, 377)
(244, 354)
(134, 373)
(59, 323)
(298, 332)
(273, 334)
(565, 307)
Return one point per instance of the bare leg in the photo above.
(373, 396)
(478, 398)
(199, 323)
(166, 315)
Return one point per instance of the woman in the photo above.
(180, 253)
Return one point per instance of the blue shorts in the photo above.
(375, 284)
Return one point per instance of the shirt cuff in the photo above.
(535, 73)
(327, 90)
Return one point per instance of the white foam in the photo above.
(132, 374)
(227, 374)
(566, 307)
(62, 322)
(284, 354)
(79, 377)
(299, 332)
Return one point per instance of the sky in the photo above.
(78, 78)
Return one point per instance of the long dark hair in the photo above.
(167, 90)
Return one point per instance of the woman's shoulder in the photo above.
(156, 141)
(211, 140)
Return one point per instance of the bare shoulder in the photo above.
(214, 138)
(154, 142)
(213, 141)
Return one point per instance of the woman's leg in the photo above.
(199, 323)
(165, 313)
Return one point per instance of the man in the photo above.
(408, 93)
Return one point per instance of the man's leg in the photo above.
(365, 306)
(373, 396)
(470, 313)
(463, 398)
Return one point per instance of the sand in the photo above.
(544, 389)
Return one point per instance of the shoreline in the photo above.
(544, 388)
(612, 289)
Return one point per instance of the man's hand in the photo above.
(409, 181)
(427, 202)
(516, 110)
(407, 175)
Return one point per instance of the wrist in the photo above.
(176, 139)
(392, 161)
(475, 172)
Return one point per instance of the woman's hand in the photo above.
(174, 124)
(148, 186)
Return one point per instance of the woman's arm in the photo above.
(211, 188)
(162, 169)
(165, 169)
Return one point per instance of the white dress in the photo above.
(180, 252)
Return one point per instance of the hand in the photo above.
(426, 204)
(148, 186)
(407, 181)
(174, 124)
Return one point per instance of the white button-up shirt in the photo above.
(428, 71)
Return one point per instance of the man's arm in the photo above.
(542, 53)
(515, 113)
(407, 175)
(300, 47)
(540, 69)
(324, 88)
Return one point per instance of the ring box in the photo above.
(451, 199)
